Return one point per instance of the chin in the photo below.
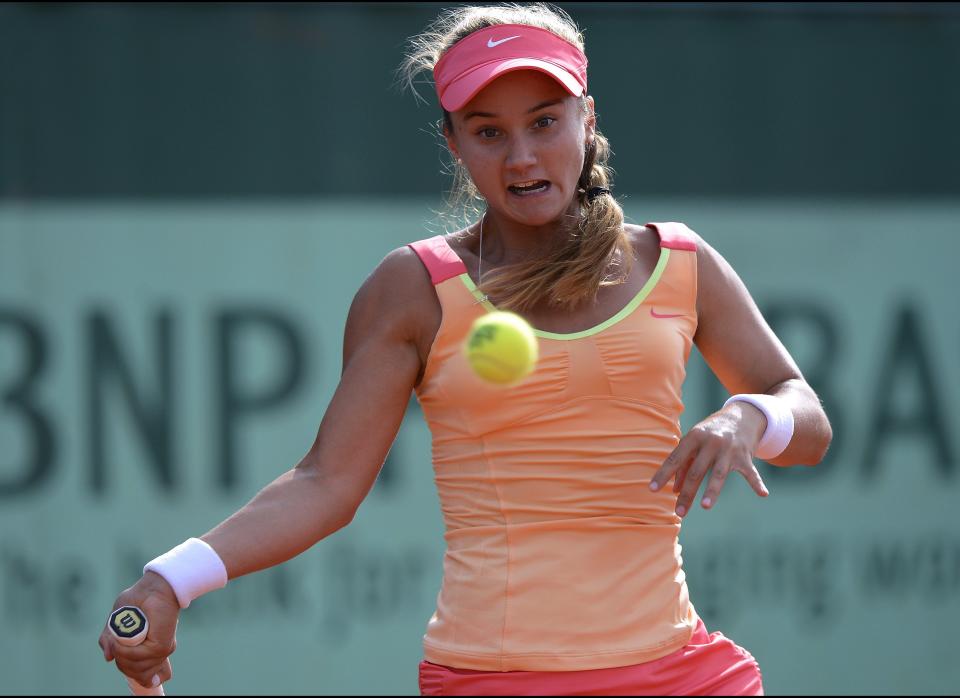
(534, 220)
(535, 214)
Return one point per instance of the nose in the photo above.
(521, 154)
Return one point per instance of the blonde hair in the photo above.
(575, 271)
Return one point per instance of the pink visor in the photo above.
(477, 59)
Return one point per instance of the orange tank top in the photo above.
(558, 556)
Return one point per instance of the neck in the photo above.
(507, 242)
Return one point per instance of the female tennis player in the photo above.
(562, 573)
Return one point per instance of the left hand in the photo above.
(723, 442)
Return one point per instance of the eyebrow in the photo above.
(488, 115)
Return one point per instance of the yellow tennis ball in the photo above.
(501, 348)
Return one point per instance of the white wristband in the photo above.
(192, 568)
(779, 430)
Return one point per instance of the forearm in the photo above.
(288, 516)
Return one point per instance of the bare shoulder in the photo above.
(710, 263)
(718, 284)
(398, 291)
(644, 240)
(401, 273)
(395, 305)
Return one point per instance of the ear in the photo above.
(590, 123)
(451, 144)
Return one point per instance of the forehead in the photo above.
(516, 91)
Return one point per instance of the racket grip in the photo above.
(138, 690)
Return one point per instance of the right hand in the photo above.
(155, 597)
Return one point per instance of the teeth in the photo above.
(526, 184)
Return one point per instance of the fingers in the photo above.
(140, 666)
(675, 463)
(166, 671)
(689, 463)
(106, 646)
(717, 479)
(752, 476)
(692, 479)
(146, 651)
(147, 674)
(150, 679)
(715, 444)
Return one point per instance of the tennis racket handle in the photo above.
(129, 626)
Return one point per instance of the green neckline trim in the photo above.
(629, 308)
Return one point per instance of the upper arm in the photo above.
(381, 363)
(732, 335)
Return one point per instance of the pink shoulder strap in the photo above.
(439, 259)
(676, 236)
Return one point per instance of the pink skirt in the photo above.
(710, 665)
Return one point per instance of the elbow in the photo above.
(346, 517)
(820, 443)
(827, 438)
(817, 454)
(333, 499)
(341, 510)
(330, 520)
(348, 499)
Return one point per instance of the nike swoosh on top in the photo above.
(491, 43)
(658, 315)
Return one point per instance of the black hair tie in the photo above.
(594, 192)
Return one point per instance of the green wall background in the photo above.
(846, 579)
(295, 100)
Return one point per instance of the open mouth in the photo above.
(535, 186)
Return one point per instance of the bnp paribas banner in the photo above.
(160, 364)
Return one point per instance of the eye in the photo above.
(545, 121)
(488, 132)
